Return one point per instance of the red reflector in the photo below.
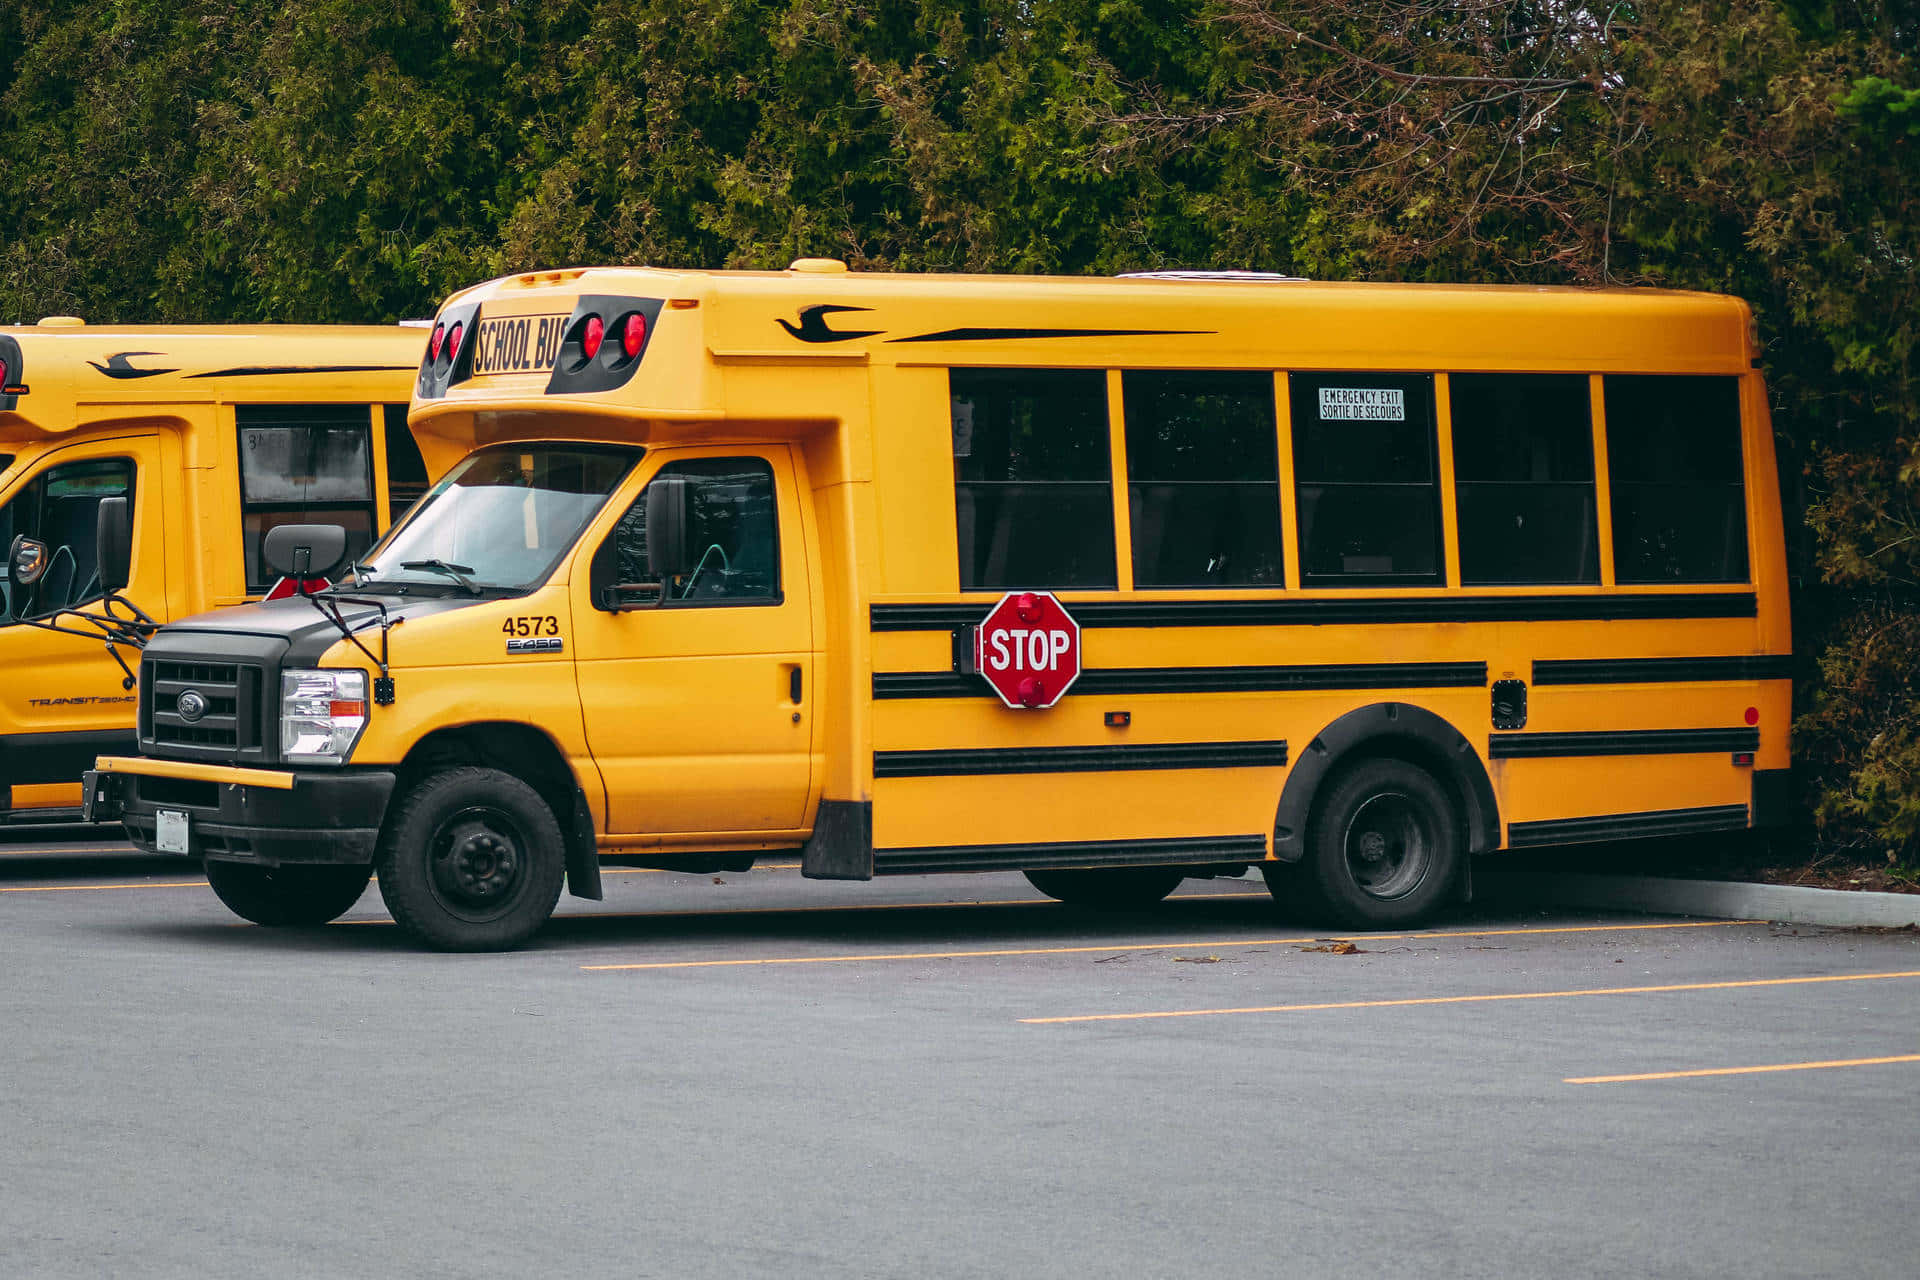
(453, 342)
(288, 587)
(1753, 715)
(339, 708)
(590, 335)
(1743, 757)
(632, 334)
(433, 343)
(3, 373)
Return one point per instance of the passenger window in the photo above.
(406, 469)
(1523, 478)
(304, 464)
(1203, 484)
(732, 532)
(1033, 483)
(60, 507)
(1673, 458)
(1363, 461)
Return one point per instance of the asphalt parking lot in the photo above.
(753, 1073)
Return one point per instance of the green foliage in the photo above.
(330, 160)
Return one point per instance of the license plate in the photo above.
(170, 831)
(517, 344)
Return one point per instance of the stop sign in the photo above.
(1028, 648)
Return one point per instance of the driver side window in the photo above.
(731, 528)
(60, 507)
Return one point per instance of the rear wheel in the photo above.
(289, 895)
(1384, 850)
(1109, 888)
(471, 859)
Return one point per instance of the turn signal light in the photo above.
(338, 707)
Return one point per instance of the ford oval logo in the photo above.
(191, 705)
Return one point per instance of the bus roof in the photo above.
(60, 373)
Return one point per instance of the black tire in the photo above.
(471, 859)
(288, 896)
(1384, 850)
(1108, 888)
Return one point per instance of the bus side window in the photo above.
(61, 507)
(304, 464)
(1673, 459)
(1364, 472)
(1203, 482)
(1523, 478)
(732, 530)
(406, 469)
(1033, 483)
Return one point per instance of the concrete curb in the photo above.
(1722, 899)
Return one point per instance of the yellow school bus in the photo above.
(212, 435)
(1113, 582)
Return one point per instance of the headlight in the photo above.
(321, 715)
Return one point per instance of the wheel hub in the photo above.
(479, 864)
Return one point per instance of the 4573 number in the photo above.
(543, 625)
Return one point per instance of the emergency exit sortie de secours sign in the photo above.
(1028, 648)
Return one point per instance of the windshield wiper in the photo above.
(458, 572)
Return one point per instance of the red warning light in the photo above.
(433, 343)
(590, 335)
(633, 334)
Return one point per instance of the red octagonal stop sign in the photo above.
(1028, 648)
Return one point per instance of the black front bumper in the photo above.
(325, 818)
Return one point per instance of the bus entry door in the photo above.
(697, 692)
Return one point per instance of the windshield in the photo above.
(501, 519)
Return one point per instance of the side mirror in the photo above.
(304, 550)
(27, 560)
(114, 543)
(667, 528)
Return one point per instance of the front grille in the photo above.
(232, 694)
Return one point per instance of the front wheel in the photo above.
(1384, 850)
(289, 895)
(471, 860)
(1108, 888)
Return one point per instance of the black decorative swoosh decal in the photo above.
(995, 335)
(264, 370)
(813, 324)
(117, 366)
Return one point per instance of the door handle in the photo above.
(793, 685)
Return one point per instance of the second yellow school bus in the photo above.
(1366, 580)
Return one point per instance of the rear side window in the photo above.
(1523, 478)
(406, 469)
(1033, 486)
(1203, 486)
(304, 464)
(1364, 472)
(1673, 460)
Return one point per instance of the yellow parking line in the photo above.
(1517, 995)
(1743, 1071)
(88, 888)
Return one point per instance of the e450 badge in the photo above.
(537, 634)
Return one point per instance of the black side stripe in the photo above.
(1071, 853)
(1769, 666)
(1342, 612)
(1622, 742)
(1116, 681)
(263, 370)
(946, 763)
(1622, 826)
(1002, 335)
